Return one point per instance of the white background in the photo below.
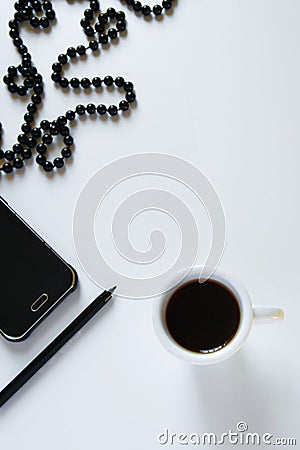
(218, 83)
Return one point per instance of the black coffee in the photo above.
(202, 317)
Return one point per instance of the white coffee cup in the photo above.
(249, 315)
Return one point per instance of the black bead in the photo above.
(62, 59)
(28, 117)
(9, 155)
(167, 4)
(19, 6)
(121, 25)
(65, 131)
(26, 128)
(36, 98)
(47, 139)
(70, 115)
(12, 71)
(74, 82)
(66, 152)
(112, 33)
(18, 163)
(13, 24)
(45, 124)
(108, 80)
(7, 167)
(22, 91)
(12, 87)
(101, 109)
(44, 21)
(61, 120)
(96, 81)
(48, 166)
(81, 50)
(94, 45)
(7, 79)
(120, 15)
(14, 33)
(91, 108)
(36, 132)
(94, 5)
(17, 42)
(111, 12)
(68, 140)
(31, 107)
(40, 159)
(103, 38)
(41, 149)
(50, 14)
(85, 83)
(58, 162)
(128, 86)
(35, 22)
(157, 10)
(17, 148)
(64, 82)
(22, 49)
(99, 27)
(124, 105)
(85, 23)
(71, 52)
(36, 4)
(88, 13)
(26, 153)
(89, 31)
(47, 5)
(80, 110)
(55, 77)
(37, 78)
(112, 110)
(26, 61)
(53, 130)
(56, 67)
(28, 83)
(25, 71)
(1, 154)
(119, 81)
(137, 6)
(31, 142)
(103, 18)
(22, 138)
(130, 96)
(38, 88)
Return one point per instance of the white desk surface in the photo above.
(218, 84)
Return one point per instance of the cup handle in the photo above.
(267, 314)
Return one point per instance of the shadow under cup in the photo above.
(202, 317)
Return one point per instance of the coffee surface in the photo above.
(202, 317)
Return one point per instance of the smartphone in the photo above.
(33, 277)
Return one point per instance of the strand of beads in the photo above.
(40, 137)
(146, 10)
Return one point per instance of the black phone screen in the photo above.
(29, 269)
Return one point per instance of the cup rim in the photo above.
(246, 310)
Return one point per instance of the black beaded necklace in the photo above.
(39, 137)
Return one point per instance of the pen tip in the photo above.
(112, 290)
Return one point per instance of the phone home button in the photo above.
(38, 303)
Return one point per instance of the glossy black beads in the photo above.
(102, 28)
(146, 10)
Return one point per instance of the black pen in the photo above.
(55, 345)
